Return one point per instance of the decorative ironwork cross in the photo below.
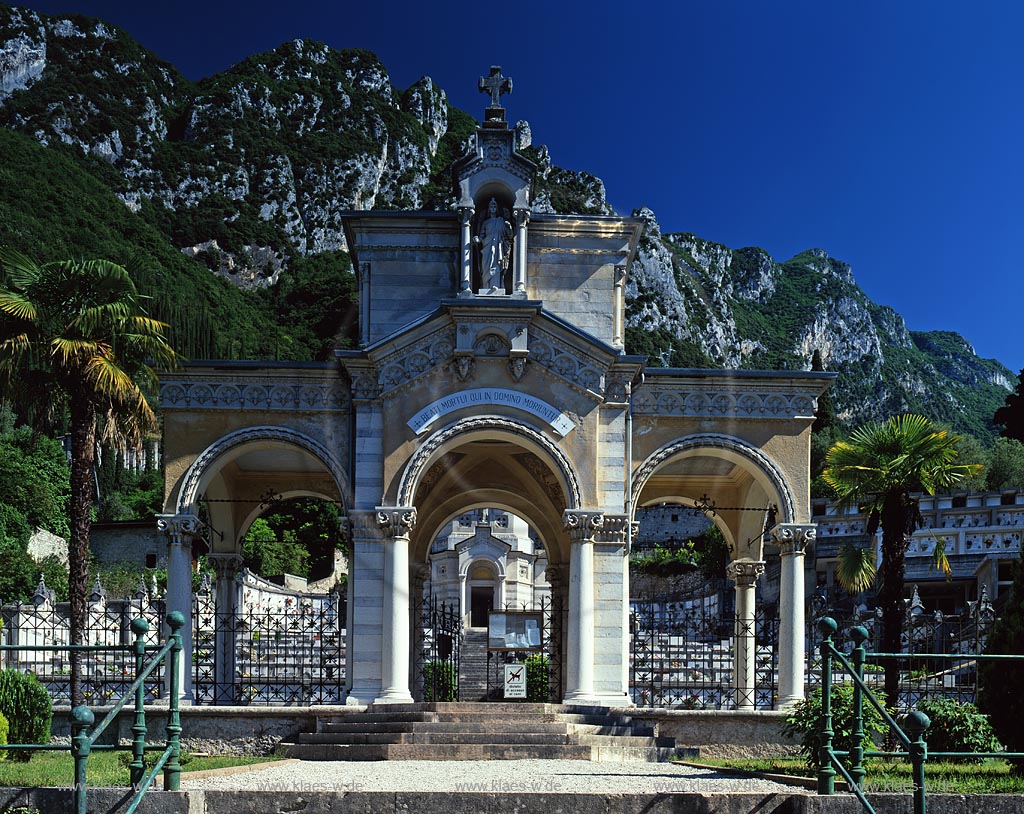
(495, 84)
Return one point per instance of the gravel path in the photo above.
(520, 776)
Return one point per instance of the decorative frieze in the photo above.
(793, 538)
(702, 400)
(238, 395)
(415, 360)
(567, 364)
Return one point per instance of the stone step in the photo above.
(501, 738)
(550, 727)
(436, 751)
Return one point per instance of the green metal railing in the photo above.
(910, 734)
(83, 741)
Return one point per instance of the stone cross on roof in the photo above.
(495, 84)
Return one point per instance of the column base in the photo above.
(361, 696)
(394, 697)
(597, 699)
(788, 702)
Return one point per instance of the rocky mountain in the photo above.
(247, 173)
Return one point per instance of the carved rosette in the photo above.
(616, 392)
(180, 528)
(396, 521)
(793, 538)
(745, 573)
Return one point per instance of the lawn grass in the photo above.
(987, 777)
(103, 768)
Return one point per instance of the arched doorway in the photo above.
(496, 491)
(227, 487)
(744, 492)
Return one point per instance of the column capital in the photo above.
(522, 215)
(588, 526)
(466, 214)
(180, 528)
(745, 573)
(396, 521)
(793, 538)
(225, 566)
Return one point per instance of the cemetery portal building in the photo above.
(491, 374)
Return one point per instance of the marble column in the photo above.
(745, 574)
(181, 529)
(396, 522)
(579, 660)
(792, 540)
(466, 221)
(226, 566)
(596, 639)
(519, 279)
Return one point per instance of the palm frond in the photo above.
(17, 306)
(940, 561)
(18, 270)
(855, 569)
(74, 352)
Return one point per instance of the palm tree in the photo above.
(73, 337)
(880, 467)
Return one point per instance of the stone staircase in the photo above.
(481, 731)
(473, 666)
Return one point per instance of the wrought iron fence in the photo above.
(925, 634)
(291, 651)
(683, 648)
(106, 674)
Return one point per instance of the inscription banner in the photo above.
(483, 396)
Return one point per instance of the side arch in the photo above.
(234, 444)
(762, 468)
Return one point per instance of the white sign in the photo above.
(481, 396)
(515, 681)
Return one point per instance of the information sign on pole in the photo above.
(515, 681)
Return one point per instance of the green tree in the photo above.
(73, 336)
(271, 554)
(880, 468)
(1011, 414)
(1006, 467)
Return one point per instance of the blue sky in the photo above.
(890, 134)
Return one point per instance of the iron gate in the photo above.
(436, 654)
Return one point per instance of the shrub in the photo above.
(4, 727)
(538, 677)
(439, 681)
(805, 719)
(27, 706)
(957, 727)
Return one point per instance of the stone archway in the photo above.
(751, 501)
(233, 477)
